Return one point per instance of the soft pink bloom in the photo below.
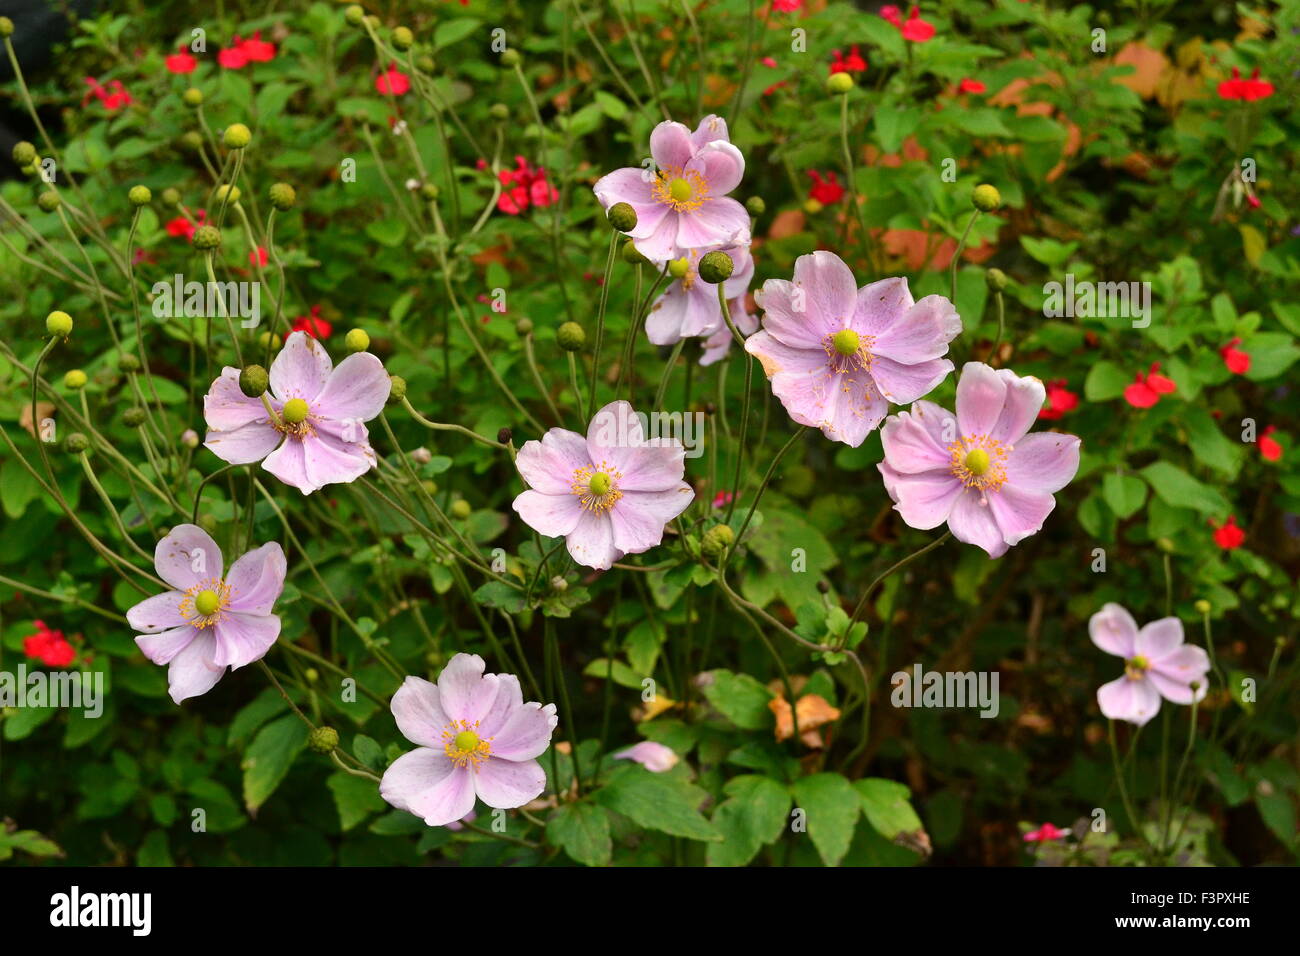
(837, 355)
(654, 757)
(717, 345)
(1048, 831)
(689, 308)
(681, 202)
(1156, 664)
(329, 445)
(474, 737)
(608, 494)
(979, 471)
(238, 627)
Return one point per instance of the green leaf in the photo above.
(582, 831)
(269, 757)
(1126, 494)
(356, 798)
(1176, 487)
(453, 31)
(830, 805)
(886, 806)
(741, 699)
(755, 815)
(1105, 381)
(657, 801)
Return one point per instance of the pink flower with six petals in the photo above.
(1156, 664)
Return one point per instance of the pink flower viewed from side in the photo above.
(837, 355)
(689, 307)
(210, 621)
(979, 470)
(654, 757)
(681, 202)
(1157, 664)
(317, 437)
(474, 737)
(609, 494)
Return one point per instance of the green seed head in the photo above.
(6, 27)
(283, 196)
(206, 238)
(139, 195)
(524, 326)
(192, 141)
(678, 268)
(171, 196)
(499, 112)
(600, 484)
(133, 417)
(680, 190)
(996, 280)
(396, 389)
(465, 740)
(295, 411)
(48, 201)
(354, 15)
(75, 379)
(756, 205)
(716, 267)
(460, 509)
(76, 443)
(192, 97)
(622, 217)
(128, 363)
(1202, 607)
(839, 83)
(510, 58)
(717, 540)
(977, 461)
(323, 740)
(254, 381)
(403, 38)
(986, 198)
(237, 136)
(207, 602)
(571, 336)
(24, 153)
(846, 342)
(357, 340)
(58, 324)
(227, 193)
(632, 255)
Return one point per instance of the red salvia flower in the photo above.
(526, 185)
(853, 63)
(113, 98)
(967, 85)
(183, 228)
(1147, 389)
(916, 29)
(1227, 535)
(313, 325)
(257, 50)
(258, 258)
(392, 82)
(1269, 447)
(49, 646)
(893, 15)
(181, 62)
(1044, 833)
(825, 190)
(1237, 361)
(1059, 401)
(233, 57)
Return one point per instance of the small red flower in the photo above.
(114, 100)
(825, 190)
(893, 15)
(1269, 447)
(258, 258)
(233, 57)
(1046, 832)
(526, 185)
(722, 499)
(1248, 90)
(183, 228)
(181, 62)
(786, 6)
(1147, 389)
(1237, 361)
(257, 50)
(853, 63)
(1227, 535)
(50, 647)
(1059, 401)
(916, 29)
(313, 324)
(967, 85)
(392, 82)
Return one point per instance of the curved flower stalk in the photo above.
(717, 345)
(316, 436)
(681, 202)
(210, 621)
(837, 355)
(979, 470)
(1157, 664)
(689, 308)
(609, 494)
(474, 737)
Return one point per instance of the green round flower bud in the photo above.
(48, 201)
(58, 324)
(312, 675)
(996, 279)
(632, 255)
(678, 268)
(524, 326)
(354, 15)
(283, 196)
(571, 336)
(295, 411)
(6, 27)
(192, 141)
(559, 584)
(75, 379)
(717, 540)
(227, 193)
(76, 443)
(128, 363)
(985, 198)
(403, 38)
(1165, 545)
(357, 340)
(499, 112)
(133, 417)
(460, 509)
(268, 340)
(192, 97)
(396, 389)
(755, 205)
(839, 83)
(510, 58)
(1202, 607)
(24, 153)
(140, 196)
(208, 523)
(190, 438)
(206, 238)
(323, 740)
(716, 267)
(254, 381)
(237, 136)
(171, 196)
(622, 217)
(812, 206)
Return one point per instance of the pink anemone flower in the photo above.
(1157, 664)
(837, 355)
(609, 494)
(979, 470)
(210, 621)
(316, 437)
(474, 737)
(689, 308)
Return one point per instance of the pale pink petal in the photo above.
(830, 291)
(256, 579)
(612, 434)
(777, 356)
(161, 648)
(591, 542)
(527, 733)
(924, 500)
(158, 613)
(509, 698)
(244, 638)
(786, 317)
(659, 242)
(921, 334)
(880, 306)
(1025, 396)
(721, 165)
(289, 464)
(357, 389)
(904, 384)
(504, 784)
(426, 783)
(1177, 688)
(226, 407)
(655, 757)
(339, 452)
(680, 313)
(1043, 461)
(843, 406)
(301, 369)
(980, 396)
(718, 223)
(549, 465)
(418, 713)
(244, 445)
(463, 690)
(973, 523)
(192, 671)
(653, 467)
(1019, 512)
(1159, 639)
(638, 518)
(938, 421)
(187, 556)
(634, 186)
(671, 147)
(710, 128)
(552, 516)
(1114, 630)
(1136, 701)
(910, 447)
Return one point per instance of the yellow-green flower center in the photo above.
(600, 483)
(295, 411)
(466, 740)
(1136, 667)
(680, 190)
(977, 461)
(846, 342)
(678, 268)
(207, 602)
